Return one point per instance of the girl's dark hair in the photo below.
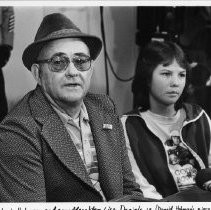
(150, 57)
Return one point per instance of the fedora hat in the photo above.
(58, 26)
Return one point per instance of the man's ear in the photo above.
(92, 65)
(35, 72)
(92, 68)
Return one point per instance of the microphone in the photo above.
(203, 179)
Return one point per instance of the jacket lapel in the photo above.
(56, 135)
(103, 134)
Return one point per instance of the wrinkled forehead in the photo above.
(67, 46)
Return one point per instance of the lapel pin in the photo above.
(107, 126)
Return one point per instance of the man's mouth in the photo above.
(72, 85)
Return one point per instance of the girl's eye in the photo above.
(166, 74)
(182, 75)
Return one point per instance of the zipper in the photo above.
(195, 155)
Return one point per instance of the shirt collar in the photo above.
(83, 115)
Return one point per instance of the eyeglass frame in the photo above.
(49, 62)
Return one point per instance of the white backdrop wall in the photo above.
(120, 29)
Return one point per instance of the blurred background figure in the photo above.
(6, 45)
(4, 57)
(199, 88)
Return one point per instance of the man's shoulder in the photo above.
(97, 96)
(21, 105)
(100, 103)
(21, 110)
(99, 99)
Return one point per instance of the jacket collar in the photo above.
(193, 111)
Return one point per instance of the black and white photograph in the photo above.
(105, 102)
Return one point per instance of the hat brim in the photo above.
(32, 51)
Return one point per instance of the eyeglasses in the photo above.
(59, 62)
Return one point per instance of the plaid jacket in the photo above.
(39, 161)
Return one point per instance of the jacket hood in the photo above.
(193, 111)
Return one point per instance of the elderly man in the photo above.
(61, 143)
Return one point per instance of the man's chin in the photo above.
(72, 99)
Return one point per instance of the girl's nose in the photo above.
(175, 80)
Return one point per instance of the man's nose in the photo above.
(71, 70)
